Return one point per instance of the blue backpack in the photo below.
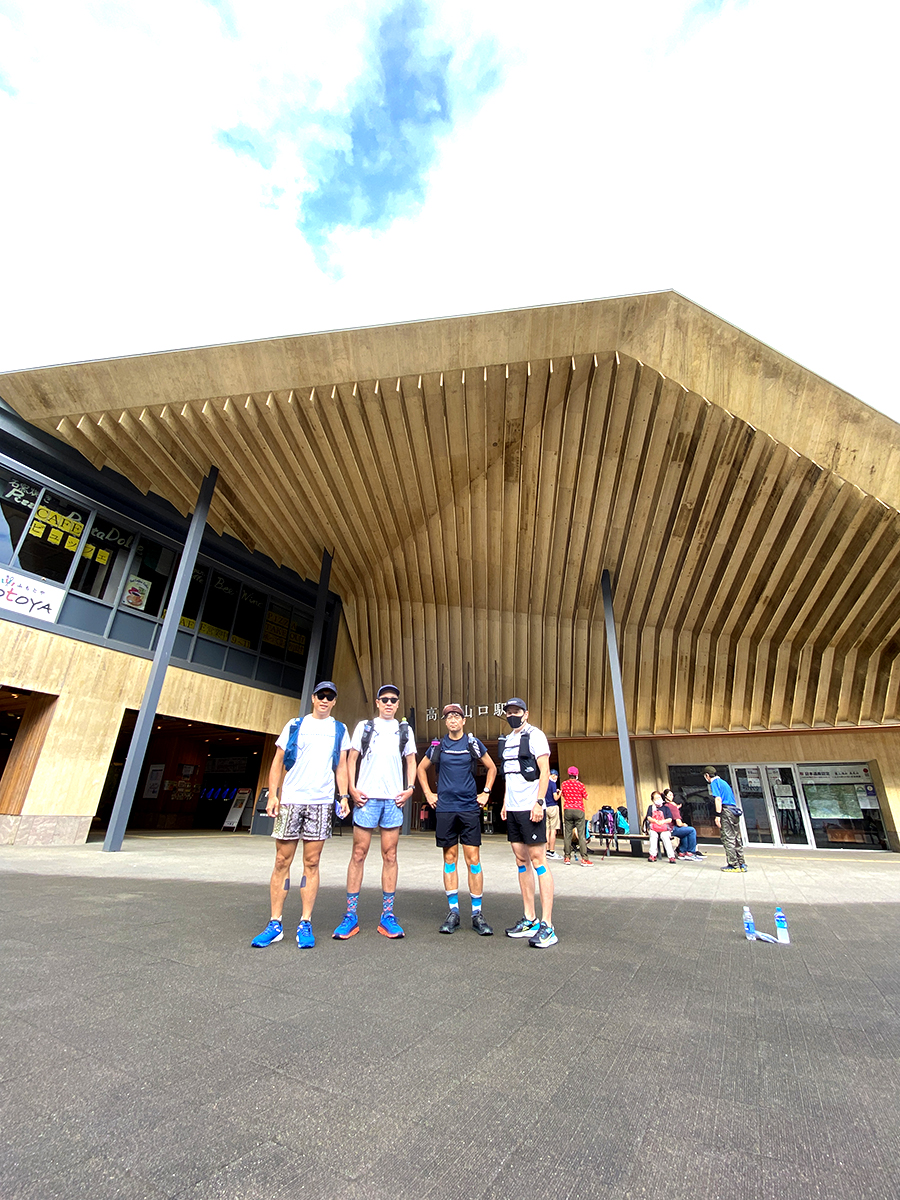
(290, 751)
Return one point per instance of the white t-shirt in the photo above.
(521, 794)
(311, 779)
(379, 772)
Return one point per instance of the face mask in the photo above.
(514, 722)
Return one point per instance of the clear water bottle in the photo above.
(781, 929)
(749, 925)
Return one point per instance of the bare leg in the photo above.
(362, 840)
(450, 880)
(472, 855)
(545, 882)
(284, 856)
(309, 888)
(526, 877)
(389, 841)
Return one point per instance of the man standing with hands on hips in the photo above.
(526, 768)
(385, 750)
(310, 757)
(458, 806)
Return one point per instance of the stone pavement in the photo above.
(148, 1052)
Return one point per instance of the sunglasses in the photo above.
(389, 699)
(325, 696)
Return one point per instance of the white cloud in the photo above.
(741, 158)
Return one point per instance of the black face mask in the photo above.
(514, 722)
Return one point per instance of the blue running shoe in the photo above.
(273, 932)
(348, 926)
(305, 939)
(390, 926)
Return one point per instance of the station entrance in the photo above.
(190, 774)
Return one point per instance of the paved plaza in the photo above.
(148, 1052)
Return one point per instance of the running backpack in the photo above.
(622, 825)
(474, 756)
(528, 764)
(290, 750)
(403, 733)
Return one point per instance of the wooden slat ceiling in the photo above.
(472, 509)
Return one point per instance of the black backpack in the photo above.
(528, 764)
(474, 756)
(403, 731)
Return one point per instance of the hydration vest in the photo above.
(290, 750)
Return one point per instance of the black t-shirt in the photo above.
(457, 790)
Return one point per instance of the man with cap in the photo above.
(385, 750)
(551, 811)
(574, 794)
(526, 768)
(458, 806)
(310, 758)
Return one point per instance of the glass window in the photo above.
(248, 621)
(275, 631)
(298, 638)
(17, 498)
(219, 607)
(104, 557)
(53, 536)
(843, 805)
(698, 807)
(151, 569)
(191, 610)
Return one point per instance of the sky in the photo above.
(192, 172)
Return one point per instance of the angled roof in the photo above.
(474, 475)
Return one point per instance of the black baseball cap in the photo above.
(325, 686)
(516, 702)
(387, 687)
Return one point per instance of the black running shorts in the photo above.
(453, 828)
(521, 828)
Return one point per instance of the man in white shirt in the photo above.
(526, 769)
(301, 794)
(385, 750)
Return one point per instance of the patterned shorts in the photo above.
(309, 822)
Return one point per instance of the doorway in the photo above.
(775, 811)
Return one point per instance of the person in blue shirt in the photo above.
(458, 804)
(728, 819)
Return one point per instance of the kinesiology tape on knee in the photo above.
(522, 870)
(475, 868)
(541, 870)
(449, 868)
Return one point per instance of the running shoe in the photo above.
(565, 862)
(743, 867)
(348, 926)
(390, 926)
(673, 860)
(524, 927)
(730, 868)
(480, 925)
(586, 862)
(652, 858)
(273, 932)
(451, 922)
(698, 854)
(305, 938)
(553, 854)
(545, 936)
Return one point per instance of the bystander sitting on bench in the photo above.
(659, 823)
(686, 834)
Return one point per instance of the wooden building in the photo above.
(472, 478)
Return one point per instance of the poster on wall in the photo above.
(136, 592)
(832, 802)
(154, 781)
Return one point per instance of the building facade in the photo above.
(473, 478)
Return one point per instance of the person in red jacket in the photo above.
(574, 794)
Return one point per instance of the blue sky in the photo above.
(203, 171)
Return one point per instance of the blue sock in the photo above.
(387, 902)
(476, 905)
(453, 900)
(352, 902)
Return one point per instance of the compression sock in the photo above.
(352, 902)
(475, 870)
(387, 902)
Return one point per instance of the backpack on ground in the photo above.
(528, 764)
(290, 750)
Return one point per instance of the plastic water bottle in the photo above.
(781, 929)
(749, 925)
